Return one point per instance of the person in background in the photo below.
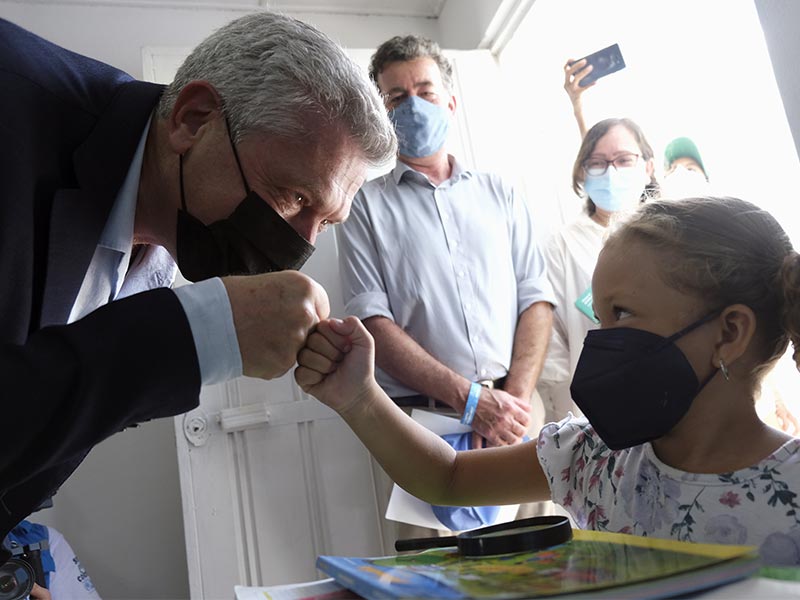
(232, 171)
(613, 172)
(574, 72)
(686, 175)
(697, 299)
(682, 153)
(442, 264)
(684, 172)
(65, 576)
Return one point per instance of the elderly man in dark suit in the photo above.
(258, 145)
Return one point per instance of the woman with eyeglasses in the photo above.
(614, 173)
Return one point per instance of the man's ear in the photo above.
(197, 104)
(451, 105)
(738, 329)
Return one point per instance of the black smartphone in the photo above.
(604, 62)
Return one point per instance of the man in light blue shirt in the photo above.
(442, 264)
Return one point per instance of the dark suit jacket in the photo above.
(69, 127)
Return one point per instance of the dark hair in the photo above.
(410, 47)
(590, 140)
(726, 251)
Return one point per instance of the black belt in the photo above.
(420, 401)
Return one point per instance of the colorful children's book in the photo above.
(593, 564)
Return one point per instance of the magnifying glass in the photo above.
(524, 535)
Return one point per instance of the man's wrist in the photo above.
(519, 389)
(457, 392)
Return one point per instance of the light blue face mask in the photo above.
(617, 189)
(421, 127)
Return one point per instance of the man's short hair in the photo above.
(280, 76)
(410, 47)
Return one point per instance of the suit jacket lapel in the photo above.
(79, 215)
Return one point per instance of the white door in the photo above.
(270, 478)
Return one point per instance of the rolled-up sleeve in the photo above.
(363, 287)
(533, 284)
(208, 310)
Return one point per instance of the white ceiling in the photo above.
(405, 8)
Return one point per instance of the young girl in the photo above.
(696, 299)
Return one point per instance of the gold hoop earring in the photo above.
(725, 373)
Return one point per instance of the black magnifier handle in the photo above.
(523, 535)
(425, 543)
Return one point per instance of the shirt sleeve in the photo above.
(529, 265)
(208, 310)
(363, 284)
(561, 453)
(556, 367)
(70, 579)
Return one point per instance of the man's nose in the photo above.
(308, 228)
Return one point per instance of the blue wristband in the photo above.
(472, 404)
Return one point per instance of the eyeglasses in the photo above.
(594, 167)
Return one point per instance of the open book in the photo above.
(593, 564)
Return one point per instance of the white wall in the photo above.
(116, 35)
(463, 23)
(780, 20)
(121, 509)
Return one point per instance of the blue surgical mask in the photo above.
(421, 127)
(617, 189)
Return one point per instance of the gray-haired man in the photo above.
(258, 146)
(441, 262)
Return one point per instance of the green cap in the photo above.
(682, 147)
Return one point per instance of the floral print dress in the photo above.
(632, 491)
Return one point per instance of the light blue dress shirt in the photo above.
(453, 265)
(110, 277)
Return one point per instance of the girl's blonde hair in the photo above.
(726, 251)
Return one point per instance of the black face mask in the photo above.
(253, 239)
(634, 386)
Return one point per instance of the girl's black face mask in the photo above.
(634, 386)
(253, 239)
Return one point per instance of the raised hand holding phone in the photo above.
(603, 62)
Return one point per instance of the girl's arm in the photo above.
(336, 366)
